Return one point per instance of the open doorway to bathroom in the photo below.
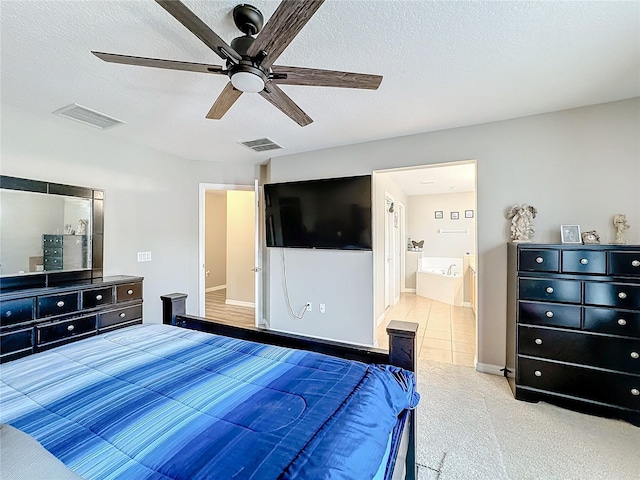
(436, 262)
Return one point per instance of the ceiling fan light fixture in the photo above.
(247, 82)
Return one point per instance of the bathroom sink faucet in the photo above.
(450, 267)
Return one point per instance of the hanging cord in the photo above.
(286, 290)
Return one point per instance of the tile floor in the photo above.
(446, 333)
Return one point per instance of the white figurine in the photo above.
(620, 222)
(521, 228)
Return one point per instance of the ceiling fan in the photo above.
(250, 58)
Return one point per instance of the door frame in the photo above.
(202, 188)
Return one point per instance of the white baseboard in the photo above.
(239, 303)
(213, 289)
(410, 290)
(489, 368)
(466, 304)
(380, 319)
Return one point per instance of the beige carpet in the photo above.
(470, 427)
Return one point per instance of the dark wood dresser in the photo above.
(35, 319)
(573, 332)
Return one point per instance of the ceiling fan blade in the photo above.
(200, 29)
(325, 78)
(285, 23)
(287, 106)
(160, 63)
(224, 101)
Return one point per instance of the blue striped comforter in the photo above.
(160, 402)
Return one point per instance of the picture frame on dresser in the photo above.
(570, 234)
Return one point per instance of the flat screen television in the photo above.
(332, 213)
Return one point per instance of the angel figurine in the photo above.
(521, 227)
(620, 223)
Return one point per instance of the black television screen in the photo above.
(330, 213)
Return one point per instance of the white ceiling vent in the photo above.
(87, 116)
(261, 145)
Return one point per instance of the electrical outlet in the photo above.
(144, 256)
(322, 308)
(309, 307)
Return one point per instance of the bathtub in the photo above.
(440, 279)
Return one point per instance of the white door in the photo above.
(388, 251)
(258, 254)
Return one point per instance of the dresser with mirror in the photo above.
(52, 288)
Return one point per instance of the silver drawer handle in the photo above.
(635, 263)
(122, 315)
(539, 259)
(538, 341)
(129, 292)
(549, 313)
(635, 355)
(537, 373)
(635, 391)
(60, 304)
(549, 289)
(70, 328)
(622, 295)
(584, 261)
(98, 297)
(622, 321)
(7, 313)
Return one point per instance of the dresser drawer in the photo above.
(15, 341)
(52, 263)
(584, 261)
(551, 290)
(620, 295)
(114, 317)
(621, 354)
(129, 291)
(16, 311)
(624, 263)
(52, 251)
(607, 387)
(94, 298)
(550, 314)
(539, 260)
(616, 322)
(57, 304)
(52, 240)
(69, 328)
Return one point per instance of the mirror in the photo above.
(41, 232)
(49, 233)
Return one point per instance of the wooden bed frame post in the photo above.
(173, 304)
(403, 353)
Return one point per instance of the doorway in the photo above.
(436, 208)
(227, 254)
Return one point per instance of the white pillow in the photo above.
(23, 458)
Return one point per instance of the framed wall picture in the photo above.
(468, 214)
(439, 214)
(455, 215)
(570, 234)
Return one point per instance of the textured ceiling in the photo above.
(445, 64)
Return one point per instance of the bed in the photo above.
(175, 401)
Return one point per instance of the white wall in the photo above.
(24, 218)
(151, 198)
(422, 224)
(240, 246)
(577, 166)
(215, 238)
